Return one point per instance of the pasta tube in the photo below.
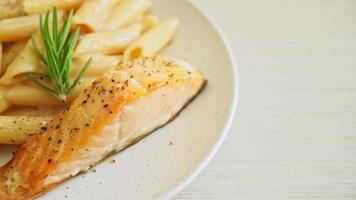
(91, 14)
(149, 21)
(126, 13)
(108, 42)
(4, 103)
(30, 95)
(40, 6)
(18, 28)
(25, 61)
(10, 8)
(153, 40)
(14, 29)
(10, 53)
(16, 129)
(1, 52)
(34, 111)
(99, 64)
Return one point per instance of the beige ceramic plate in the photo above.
(162, 164)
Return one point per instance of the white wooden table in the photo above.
(295, 133)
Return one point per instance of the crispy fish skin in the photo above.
(116, 111)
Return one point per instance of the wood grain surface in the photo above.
(294, 136)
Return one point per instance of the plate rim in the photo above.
(233, 109)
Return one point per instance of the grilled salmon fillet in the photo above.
(117, 110)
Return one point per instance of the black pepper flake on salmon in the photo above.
(44, 128)
(103, 91)
(59, 141)
(106, 105)
(84, 102)
(49, 160)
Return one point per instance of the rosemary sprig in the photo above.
(58, 47)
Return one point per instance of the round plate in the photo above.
(163, 163)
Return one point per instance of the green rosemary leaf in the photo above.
(39, 84)
(58, 48)
(80, 75)
(63, 35)
(37, 51)
(55, 25)
(70, 50)
(41, 74)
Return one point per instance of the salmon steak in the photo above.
(114, 112)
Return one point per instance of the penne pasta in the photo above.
(87, 14)
(126, 13)
(10, 53)
(26, 61)
(35, 111)
(40, 6)
(18, 28)
(113, 42)
(99, 64)
(149, 21)
(16, 129)
(4, 103)
(10, 8)
(1, 53)
(30, 95)
(153, 41)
